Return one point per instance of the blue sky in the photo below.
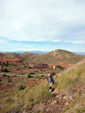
(46, 25)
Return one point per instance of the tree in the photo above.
(4, 70)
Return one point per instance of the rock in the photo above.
(76, 106)
(66, 103)
(70, 98)
(55, 92)
(24, 111)
(41, 107)
(65, 97)
(54, 102)
(48, 109)
(58, 96)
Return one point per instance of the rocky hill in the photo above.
(10, 56)
(53, 57)
(56, 56)
(26, 56)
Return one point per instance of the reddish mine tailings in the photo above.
(41, 66)
(65, 65)
(6, 87)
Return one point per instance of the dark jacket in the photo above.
(50, 79)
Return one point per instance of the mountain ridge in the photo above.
(59, 55)
(52, 57)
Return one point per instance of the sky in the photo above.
(42, 25)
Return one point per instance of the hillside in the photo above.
(24, 56)
(56, 56)
(10, 56)
(52, 58)
(68, 96)
(82, 62)
(28, 57)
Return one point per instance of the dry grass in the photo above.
(18, 100)
(66, 83)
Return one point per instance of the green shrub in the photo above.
(6, 65)
(29, 75)
(21, 87)
(32, 73)
(4, 75)
(4, 70)
(53, 73)
(22, 73)
(30, 67)
(15, 76)
(8, 76)
(42, 76)
(41, 70)
(9, 80)
(60, 67)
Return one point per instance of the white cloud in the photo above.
(76, 42)
(57, 41)
(3, 41)
(47, 20)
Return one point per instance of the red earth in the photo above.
(6, 87)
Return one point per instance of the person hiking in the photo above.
(50, 81)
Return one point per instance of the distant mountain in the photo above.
(34, 52)
(80, 53)
(38, 52)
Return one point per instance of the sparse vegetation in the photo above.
(67, 83)
(5, 70)
(8, 76)
(28, 97)
(53, 73)
(71, 78)
(29, 75)
(60, 67)
(21, 87)
(25, 93)
(15, 76)
(32, 73)
(9, 80)
(4, 75)
(25, 99)
(22, 73)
